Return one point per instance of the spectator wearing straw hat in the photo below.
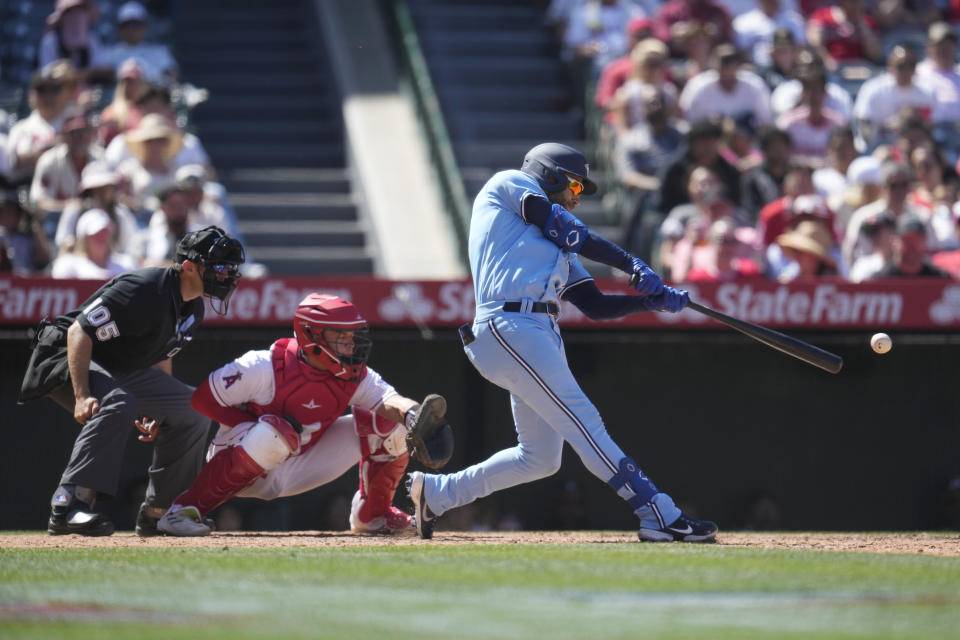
(154, 145)
(56, 179)
(93, 257)
(98, 190)
(811, 249)
(156, 100)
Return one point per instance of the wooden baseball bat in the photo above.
(781, 342)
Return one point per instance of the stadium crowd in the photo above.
(775, 138)
(100, 176)
(741, 138)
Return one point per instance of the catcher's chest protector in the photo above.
(309, 396)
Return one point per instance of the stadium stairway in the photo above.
(274, 130)
(503, 88)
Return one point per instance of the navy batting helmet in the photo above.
(548, 162)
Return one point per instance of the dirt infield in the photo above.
(941, 544)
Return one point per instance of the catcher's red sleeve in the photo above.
(203, 402)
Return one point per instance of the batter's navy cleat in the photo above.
(421, 512)
(79, 520)
(683, 529)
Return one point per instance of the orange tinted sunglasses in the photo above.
(575, 186)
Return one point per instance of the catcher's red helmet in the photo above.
(322, 325)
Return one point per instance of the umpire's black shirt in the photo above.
(136, 320)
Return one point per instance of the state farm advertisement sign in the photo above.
(822, 304)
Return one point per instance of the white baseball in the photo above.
(881, 343)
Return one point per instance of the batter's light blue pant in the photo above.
(523, 353)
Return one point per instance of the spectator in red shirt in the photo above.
(799, 201)
(615, 74)
(725, 262)
(844, 33)
(703, 12)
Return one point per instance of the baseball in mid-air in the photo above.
(881, 343)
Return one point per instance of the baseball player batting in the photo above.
(524, 243)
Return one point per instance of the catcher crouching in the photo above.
(283, 429)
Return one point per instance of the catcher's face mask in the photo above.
(332, 335)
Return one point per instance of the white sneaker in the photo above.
(183, 521)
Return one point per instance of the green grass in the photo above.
(482, 591)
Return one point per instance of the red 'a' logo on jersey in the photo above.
(229, 380)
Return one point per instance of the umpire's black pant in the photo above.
(178, 451)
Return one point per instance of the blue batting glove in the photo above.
(670, 300)
(644, 279)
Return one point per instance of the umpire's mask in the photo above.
(220, 256)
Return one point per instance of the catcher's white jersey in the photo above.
(250, 378)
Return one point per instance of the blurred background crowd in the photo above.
(773, 138)
(99, 170)
(733, 139)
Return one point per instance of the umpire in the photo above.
(98, 363)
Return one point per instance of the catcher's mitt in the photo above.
(429, 437)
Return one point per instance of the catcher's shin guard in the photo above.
(228, 472)
(373, 509)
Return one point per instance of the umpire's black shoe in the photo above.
(146, 526)
(425, 519)
(80, 520)
(683, 529)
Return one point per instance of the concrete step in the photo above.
(519, 43)
(294, 206)
(272, 132)
(311, 233)
(476, 18)
(239, 154)
(270, 83)
(313, 261)
(487, 99)
(278, 180)
(530, 72)
(252, 63)
(485, 126)
(223, 106)
(250, 36)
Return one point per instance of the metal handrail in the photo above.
(450, 180)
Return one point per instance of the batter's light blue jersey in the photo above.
(510, 259)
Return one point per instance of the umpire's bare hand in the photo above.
(84, 408)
